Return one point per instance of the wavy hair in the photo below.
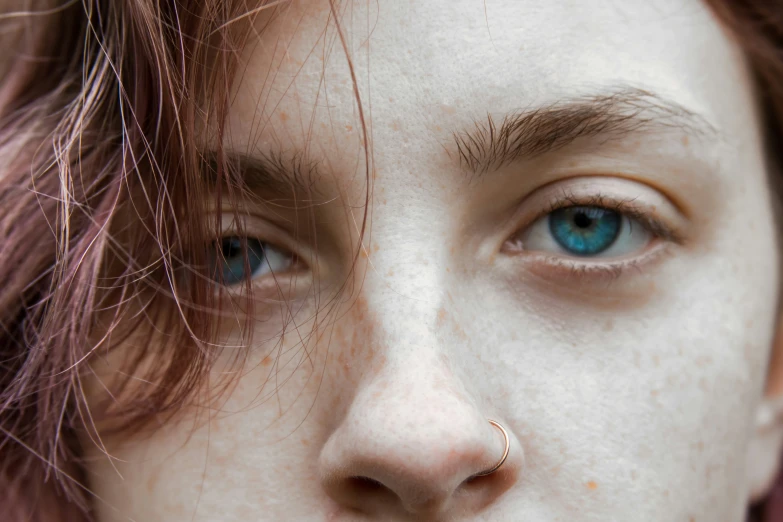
(102, 108)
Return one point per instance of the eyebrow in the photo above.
(489, 145)
(528, 133)
(269, 172)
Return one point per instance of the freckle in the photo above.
(363, 253)
(685, 140)
(221, 460)
(283, 116)
(592, 485)
(441, 316)
(266, 361)
(448, 109)
(438, 128)
(305, 442)
(461, 333)
(152, 482)
(656, 360)
(375, 247)
(448, 269)
(654, 393)
(609, 326)
(391, 99)
(390, 272)
(395, 125)
(349, 128)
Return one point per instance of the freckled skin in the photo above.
(625, 398)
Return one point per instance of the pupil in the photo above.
(231, 247)
(585, 231)
(582, 220)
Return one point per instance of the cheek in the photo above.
(659, 396)
(249, 441)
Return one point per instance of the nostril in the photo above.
(365, 484)
(456, 464)
(369, 491)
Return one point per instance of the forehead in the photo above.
(425, 68)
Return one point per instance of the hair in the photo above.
(103, 106)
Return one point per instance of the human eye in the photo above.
(589, 231)
(237, 259)
(596, 225)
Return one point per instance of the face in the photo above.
(568, 230)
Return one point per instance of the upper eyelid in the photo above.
(653, 206)
(601, 189)
(627, 207)
(261, 229)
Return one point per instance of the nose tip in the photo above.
(424, 470)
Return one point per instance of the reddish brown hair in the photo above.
(98, 167)
(100, 113)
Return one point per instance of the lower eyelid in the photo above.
(267, 289)
(565, 268)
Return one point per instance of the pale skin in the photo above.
(629, 383)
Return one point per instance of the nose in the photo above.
(414, 444)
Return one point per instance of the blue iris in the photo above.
(230, 267)
(585, 231)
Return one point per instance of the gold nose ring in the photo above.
(505, 451)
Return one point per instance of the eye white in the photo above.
(632, 237)
(275, 260)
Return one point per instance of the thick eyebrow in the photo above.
(532, 132)
(272, 173)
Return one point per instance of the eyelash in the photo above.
(574, 266)
(269, 236)
(625, 207)
(580, 268)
